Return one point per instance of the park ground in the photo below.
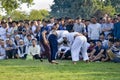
(65, 70)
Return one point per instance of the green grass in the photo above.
(65, 70)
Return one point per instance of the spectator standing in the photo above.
(107, 27)
(79, 26)
(94, 29)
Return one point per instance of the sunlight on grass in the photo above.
(35, 70)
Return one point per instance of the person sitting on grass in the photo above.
(109, 46)
(64, 50)
(11, 50)
(22, 50)
(91, 47)
(114, 52)
(28, 40)
(98, 52)
(16, 40)
(34, 50)
(104, 41)
(2, 50)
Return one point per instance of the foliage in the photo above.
(74, 8)
(61, 7)
(1, 17)
(65, 70)
(18, 15)
(116, 5)
(10, 5)
(105, 10)
(38, 14)
(34, 15)
(83, 8)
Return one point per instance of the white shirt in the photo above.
(60, 35)
(107, 26)
(65, 47)
(33, 28)
(2, 53)
(79, 27)
(27, 42)
(10, 30)
(94, 31)
(13, 29)
(34, 50)
(3, 33)
(70, 37)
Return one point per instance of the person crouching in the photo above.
(22, 50)
(34, 50)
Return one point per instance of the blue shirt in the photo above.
(61, 27)
(43, 29)
(117, 30)
(98, 50)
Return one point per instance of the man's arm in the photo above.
(89, 32)
(99, 54)
(92, 53)
(44, 37)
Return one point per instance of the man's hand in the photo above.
(44, 32)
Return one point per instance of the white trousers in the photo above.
(79, 45)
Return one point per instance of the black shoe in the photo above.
(41, 60)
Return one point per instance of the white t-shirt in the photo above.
(94, 31)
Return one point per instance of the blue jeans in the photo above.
(116, 60)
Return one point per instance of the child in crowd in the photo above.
(98, 52)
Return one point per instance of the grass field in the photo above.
(65, 70)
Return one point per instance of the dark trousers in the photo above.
(67, 54)
(24, 57)
(46, 50)
(53, 45)
(36, 56)
(116, 60)
(11, 53)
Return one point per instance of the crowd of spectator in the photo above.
(18, 39)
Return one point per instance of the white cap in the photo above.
(17, 36)
(21, 40)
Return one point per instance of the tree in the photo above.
(10, 5)
(84, 8)
(105, 10)
(61, 8)
(74, 8)
(116, 5)
(107, 3)
(38, 14)
(19, 15)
